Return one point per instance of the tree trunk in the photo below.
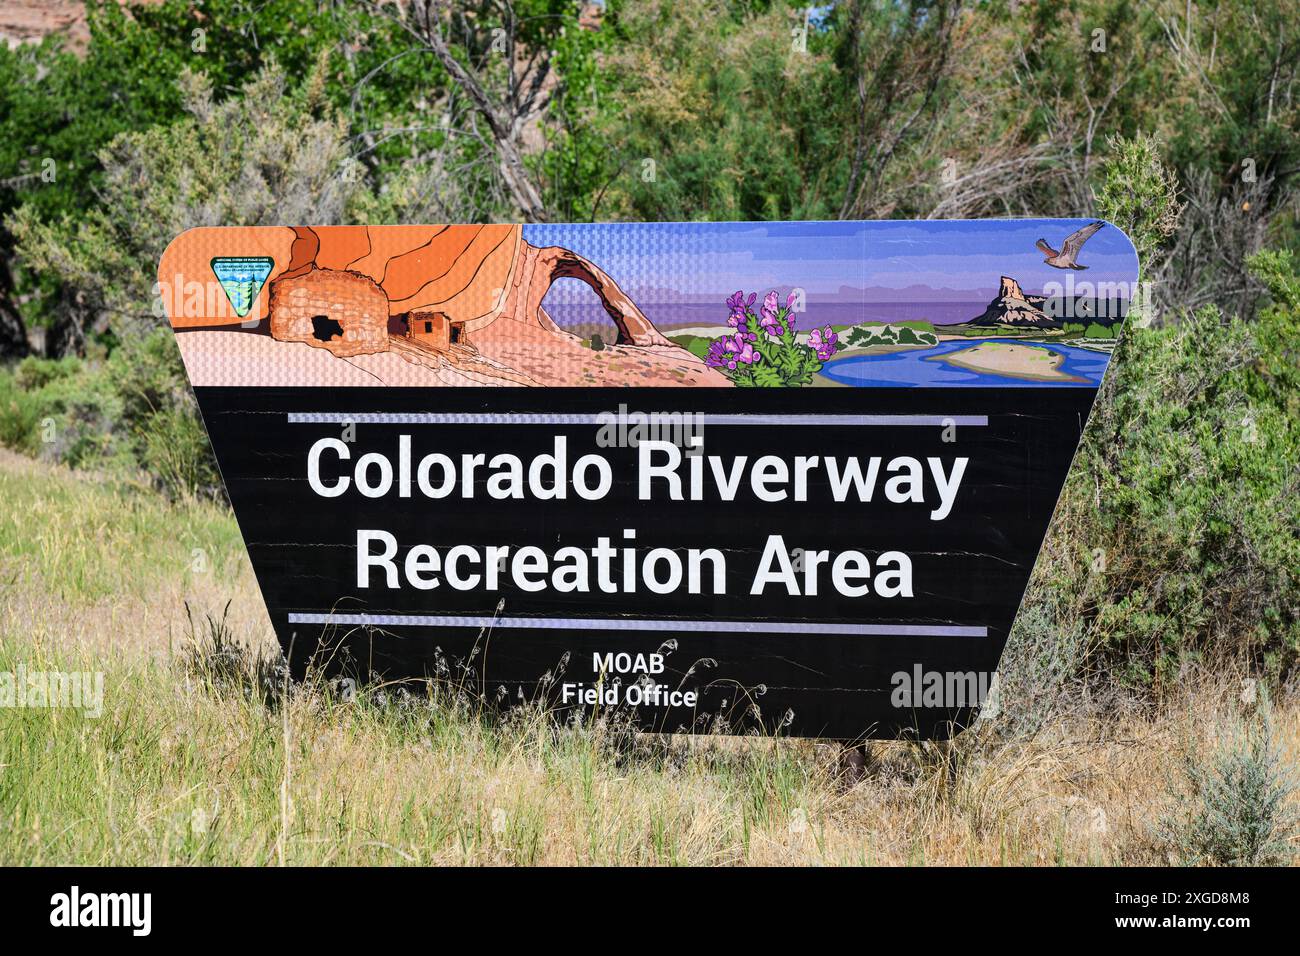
(13, 332)
(522, 189)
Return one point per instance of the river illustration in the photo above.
(920, 367)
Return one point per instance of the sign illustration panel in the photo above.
(721, 476)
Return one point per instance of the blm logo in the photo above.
(242, 278)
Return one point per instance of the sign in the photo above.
(719, 476)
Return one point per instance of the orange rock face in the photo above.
(473, 292)
(343, 312)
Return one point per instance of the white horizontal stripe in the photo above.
(612, 418)
(642, 624)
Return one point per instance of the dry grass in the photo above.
(92, 565)
(186, 765)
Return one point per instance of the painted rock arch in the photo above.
(355, 292)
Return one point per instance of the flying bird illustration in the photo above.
(1068, 257)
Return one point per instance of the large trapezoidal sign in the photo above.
(786, 475)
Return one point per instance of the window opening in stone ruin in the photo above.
(324, 328)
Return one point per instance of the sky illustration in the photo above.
(954, 259)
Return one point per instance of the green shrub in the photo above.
(34, 373)
(19, 415)
(1233, 810)
(173, 448)
(1175, 538)
(159, 416)
(133, 412)
(1139, 193)
(60, 410)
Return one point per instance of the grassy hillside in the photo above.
(194, 759)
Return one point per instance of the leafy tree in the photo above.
(513, 84)
(1236, 111)
(284, 157)
(59, 110)
(714, 112)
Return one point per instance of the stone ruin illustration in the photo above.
(463, 303)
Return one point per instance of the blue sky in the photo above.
(820, 257)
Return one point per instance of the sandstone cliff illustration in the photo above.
(1013, 306)
(409, 305)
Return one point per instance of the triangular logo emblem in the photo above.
(242, 277)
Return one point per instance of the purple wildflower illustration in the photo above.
(775, 357)
(824, 342)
